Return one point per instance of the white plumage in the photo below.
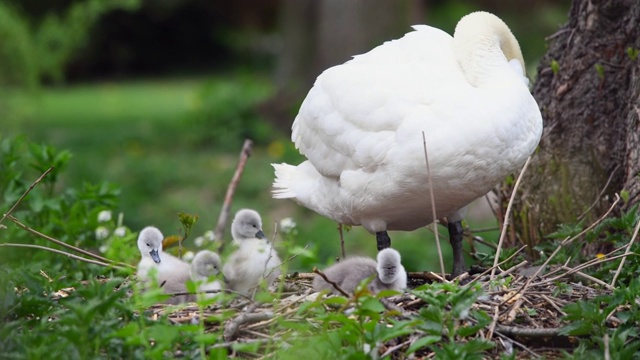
(255, 259)
(361, 127)
(388, 273)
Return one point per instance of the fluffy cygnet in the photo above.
(171, 272)
(348, 273)
(254, 259)
(205, 265)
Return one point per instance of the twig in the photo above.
(604, 188)
(562, 244)
(61, 243)
(333, 283)
(589, 277)
(341, 240)
(553, 304)
(433, 206)
(231, 189)
(26, 192)
(395, 348)
(76, 257)
(607, 355)
(527, 332)
(626, 252)
(507, 214)
(248, 317)
(492, 269)
(494, 322)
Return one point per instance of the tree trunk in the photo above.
(588, 89)
(319, 34)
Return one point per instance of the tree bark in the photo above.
(588, 89)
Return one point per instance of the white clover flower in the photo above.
(103, 249)
(199, 241)
(120, 231)
(188, 256)
(287, 224)
(102, 233)
(210, 235)
(104, 216)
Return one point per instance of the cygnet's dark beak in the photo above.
(261, 235)
(224, 278)
(155, 256)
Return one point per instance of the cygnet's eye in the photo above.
(149, 245)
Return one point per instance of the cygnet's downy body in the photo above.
(388, 273)
(205, 267)
(171, 272)
(254, 259)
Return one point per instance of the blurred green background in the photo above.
(157, 97)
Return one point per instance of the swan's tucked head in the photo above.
(389, 266)
(150, 243)
(247, 224)
(205, 264)
(482, 44)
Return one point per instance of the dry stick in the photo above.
(600, 194)
(333, 283)
(341, 240)
(433, 206)
(26, 192)
(63, 253)
(231, 329)
(527, 332)
(231, 189)
(496, 265)
(626, 252)
(507, 214)
(583, 266)
(563, 243)
(61, 243)
(588, 277)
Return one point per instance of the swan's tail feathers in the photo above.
(282, 183)
(390, 269)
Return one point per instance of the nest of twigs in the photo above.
(526, 315)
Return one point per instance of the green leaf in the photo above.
(423, 342)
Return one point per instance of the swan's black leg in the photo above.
(383, 239)
(455, 237)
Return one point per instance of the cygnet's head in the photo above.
(389, 266)
(150, 243)
(205, 264)
(247, 225)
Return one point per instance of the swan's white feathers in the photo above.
(361, 127)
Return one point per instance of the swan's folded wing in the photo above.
(350, 117)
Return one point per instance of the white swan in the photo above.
(171, 272)
(205, 265)
(361, 128)
(254, 259)
(348, 273)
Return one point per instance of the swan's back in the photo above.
(361, 128)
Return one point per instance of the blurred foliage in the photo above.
(226, 112)
(34, 51)
(68, 214)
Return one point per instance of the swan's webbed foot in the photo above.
(383, 240)
(455, 237)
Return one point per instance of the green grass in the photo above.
(140, 135)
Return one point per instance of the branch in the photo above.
(333, 283)
(26, 192)
(627, 251)
(248, 317)
(505, 222)
(64, 253)
(63, 244)
(433, 206)
(231, 189)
